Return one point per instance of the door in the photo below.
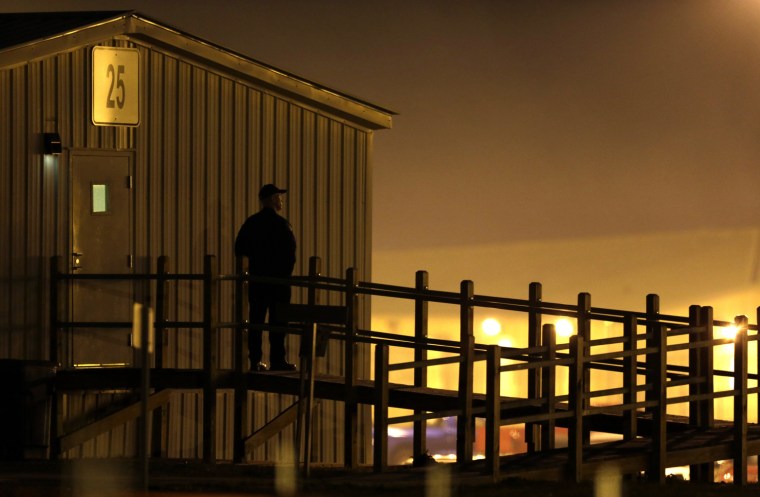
(101, 244)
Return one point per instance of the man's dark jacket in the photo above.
(267, 239)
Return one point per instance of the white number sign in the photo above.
(115, 86)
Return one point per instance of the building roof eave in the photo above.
(144, 30)
(148, 31)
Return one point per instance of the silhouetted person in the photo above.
(267, 239)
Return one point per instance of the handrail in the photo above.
(540, 411)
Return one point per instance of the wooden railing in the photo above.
(541, 411)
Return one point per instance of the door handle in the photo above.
(76, 260)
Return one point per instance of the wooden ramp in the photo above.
(685, 445)
(687, 448)
(643, 381)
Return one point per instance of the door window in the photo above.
(99, 198)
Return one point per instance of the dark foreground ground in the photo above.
(175, 479)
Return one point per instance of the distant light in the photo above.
(505, 342)
(394, 432)
(564, 328)
(491, 327)
(729, 331)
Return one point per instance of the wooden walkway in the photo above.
(685, 445)
(653, 439)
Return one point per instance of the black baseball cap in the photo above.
(269, 190)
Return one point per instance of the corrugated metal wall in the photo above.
(205, 144)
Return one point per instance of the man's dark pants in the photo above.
(262, 299)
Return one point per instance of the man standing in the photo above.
(267, 239)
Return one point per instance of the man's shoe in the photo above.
(283, 366)
(260, 367)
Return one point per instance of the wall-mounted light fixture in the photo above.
(52, 143)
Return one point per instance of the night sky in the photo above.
(522, 121)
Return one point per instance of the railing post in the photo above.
(308, 370)
(467, 344)
(653, 315)
(658, 461)
(315, 269)
(56, 263)
(533, 430)
(143, 324)
(419, 442)
(698, 472)
(740, 401)
(162, 270)
(158, 426)
(548, 386)
(707, 414)
(210, 280)
(380, 459)
(584, 330)
(630, 378)
(239, 362)
(351, 412)
(493, 410)
(576, 391)
(695, 369)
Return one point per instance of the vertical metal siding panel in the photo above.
(101, 442)
(212, 136)
(66, 119)
(168, 156)
(211, 175)
(92, 138)
(294, 203)
(175, 413)
(18, 196)
(321, 213)
(78, 82)
(255, 149)
(180, 262)
(239, 193)
(87, 405)
(153, 185)
(240, 170)
(197, 416)
(349, 196)
(174, 423)
(143, 140)
(33, 256)
(224, 236)
(307, 192)
(6, 130)
(7, 78)
(281, 138)
(64, 123)
(367, 184)
(268, 135)
(170, 136)
(336, 265)
(49, 221)
(193, 352)
(291, 143)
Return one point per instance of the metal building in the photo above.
(123, 139)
